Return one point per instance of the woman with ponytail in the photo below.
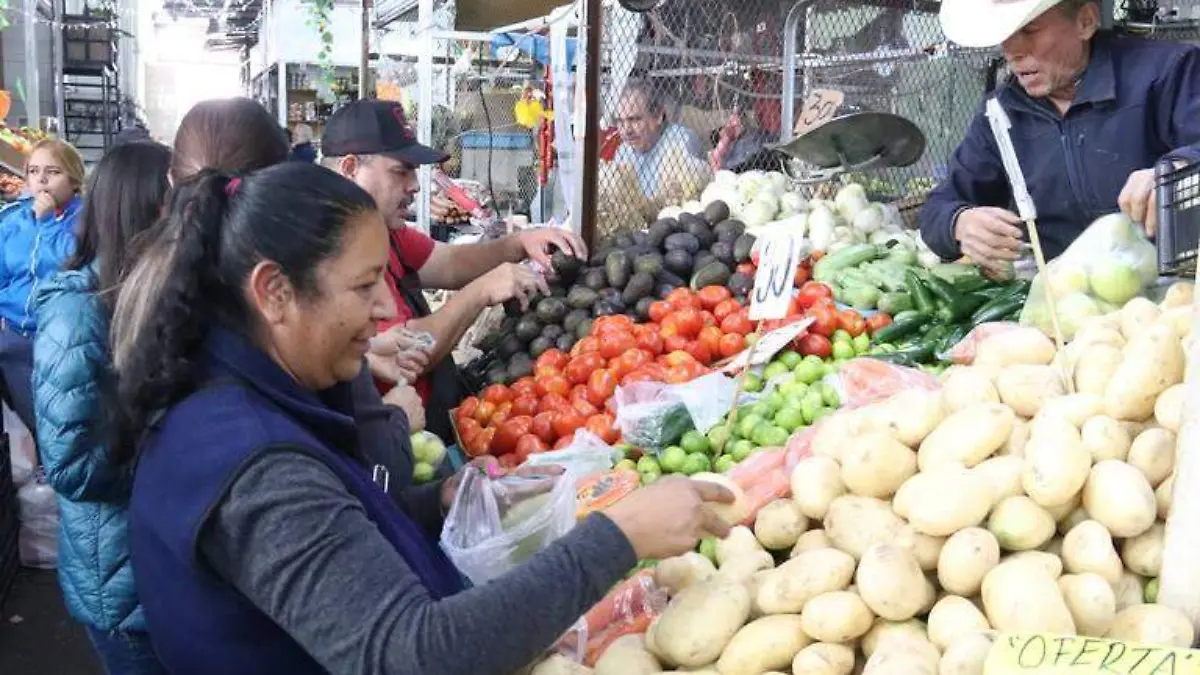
(261, 543)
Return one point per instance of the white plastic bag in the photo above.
(37, 540)
(497, 523)
(586, 455)
(21, 448)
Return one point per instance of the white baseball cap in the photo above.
(987, 23)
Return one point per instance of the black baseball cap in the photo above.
(374, 127)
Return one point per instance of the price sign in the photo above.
(767, 346)
(820, 106)
(1043, 654)
(779, 255)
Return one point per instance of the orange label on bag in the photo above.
(601, 491)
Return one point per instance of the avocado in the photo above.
(552, 331)
(659, 231)
(567, 267)
(678, 261)
(642, 308)
(623, 240)
(740, 284)
(610, 295)
(512, 308)
(716, 211)
(640, 238)
(741, 299)
(682, 241)
(606, 308)
(640, 285)
(723, 251)
(498, 375)
(557, 291)
(701, 260)
(663, 290)
(528, 328)
(617, 268)
(584, 328)
(648, 262)
(594, 278)
(598, 256)
(713, 274)
(565, 342)
(539, 345)
(552, 310)
(702, 232)
(742, 246)
(729, 230)
(510, 345)
(670, 278)
(688, 220)
(581, 297)
(571, 321)
(520, 366)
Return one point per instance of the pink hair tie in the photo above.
(232, 186)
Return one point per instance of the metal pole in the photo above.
(33, 95)
(59, 9)
(591, 135)
(424, 102)
(364, 65)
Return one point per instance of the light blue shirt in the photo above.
(649, 165)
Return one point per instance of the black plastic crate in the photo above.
(9, 521)
(1178, 197)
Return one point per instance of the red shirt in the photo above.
(413, 247)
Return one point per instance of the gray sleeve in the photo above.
(297, 544)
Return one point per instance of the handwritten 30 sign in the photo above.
(1043, 654)
(819, 107)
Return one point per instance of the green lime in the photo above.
(774, 369)
(741, 450)
(789, 419)
(761, 409)
(648, 463)
(840, 335)
(649, 477)
(746, 425)
(696, 463)
(773, 403)
(828, 369)
(752, 382)
(769, 435)
(708, 548)
(831, 397)
(626, 465)
(843, 350)
(1151, 593)
(422, 472)
(694, 441)
(789, 357)
(718, 436)
(809, 371)
(724, 463)
(792, 389)
(672, 459)
(821, 412)
(862, 342)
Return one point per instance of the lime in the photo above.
(774, 369)
(808, 371)
(769, 435)
(830, 397)
(821, 412)
(828, 369)
(843, 350)
(840, 335)
(672, 459)
(696, 463)
(724, 463)
(648, 463)
(708, 548)
(773, 403)
(694, 441)
(746, 425)
(810, 407)
(717, 437)
(862, 342)
(741, 450)
(1151, 593)
(422, 472)
(626, 465)
(752, 382)
(761, 409)
(789, 419)
(627, 451)
(789, 358)
(649, 477)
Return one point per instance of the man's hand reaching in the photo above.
(508, 281)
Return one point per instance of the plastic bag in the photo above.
(1109, 264)
(763, 479)
(627, 609)
(586, 455)
(429, 456)
(497, 523)
(963, 353)
(651, 415)
(706, 398)
(37, 540)
(865, 381)
(22, 450)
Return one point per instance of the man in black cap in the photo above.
(371, 143)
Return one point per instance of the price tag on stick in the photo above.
(779, 255)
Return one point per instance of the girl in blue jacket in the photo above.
(37, 234)
(70, 367)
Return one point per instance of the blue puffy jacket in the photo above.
(31, 251)
(70, 358)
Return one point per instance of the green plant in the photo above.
(321, 17)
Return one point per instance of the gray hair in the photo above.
(655, 102)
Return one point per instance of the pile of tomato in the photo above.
(688, 332)
(815, 301)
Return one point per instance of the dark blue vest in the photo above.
(199, 624)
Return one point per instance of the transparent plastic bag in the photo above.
(627, 609)
(706, 398)
(497, 523)
(651, 415)
(22, 450)
(429, 456)
(586, 455)
(1109, 264)
(865, 381)
(37, 540)
(963, 353)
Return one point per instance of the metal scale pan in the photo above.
(854, 142)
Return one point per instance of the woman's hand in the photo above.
(491, 466)
(670, 516)
(407, 399)
(397, 356)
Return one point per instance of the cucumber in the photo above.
(998, 309)
(943, 291)
(922, 297)
(961, 307)
(901, 326)
(827, 268)
(894, 303)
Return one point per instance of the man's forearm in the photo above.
(937, 218)
(451, 321)
(453, 266)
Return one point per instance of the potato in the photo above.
(1049, 563)
(1056, 465)
(769, 643)
(1162, 497)
(700, 622)
(1153, 453)
(952, 617)
(1178, 319)
(1120, 498)
(1143, 554)
(1024, 345)
(831, 435)
(1179, 294)
(941, 501)
(1062, 511)
(853, 523)
(1075, 517)
(733, 513)
(875, 465)
(677, 573)
(838, 616)
(811, 540)
(965, 386)
(884, 631)
(1053, 547)
(1088, 547)
(1003, 474)
(1153, 625)
(779, 524)
(787, 588)
(816, 481)
(1019, 524)
(741, 568)
(925, 549)
(1091, 601)
(1022, 597)
(1151, 363)
(1026, 388)
(1136, 315)
(903, 656)
(888, 578)
(824, 658)
(739, 541)
(627, 658)
(1095, 367)
(1095, 334)
(1076, 408)
(966, 656)
(929, 594)
(968, 437)
(1015, 445)
(1105, 438)
(1168, 408)
(911, 414)
(557, 664)
(967, 557)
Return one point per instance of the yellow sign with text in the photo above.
(1044, 654)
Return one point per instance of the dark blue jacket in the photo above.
(1138, 102)
(248, 407)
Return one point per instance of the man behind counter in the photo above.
(371, 143)
(1091, 115)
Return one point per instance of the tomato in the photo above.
(601, 386)
(614, 344)
(678, 375)
(710, 337)
(678, 358)
(658, 310)
(581, 366)
(675, 343)
(725, 308)
(547, 370)
(567, 422)
(543, 426)
(554, 403)
(746, 268)
(530, 444)
(812, 291)
(481, 442)
(552, 384)
(523, 387)
(484, 412)
(700, 352)
(579, 393)
(630, 361)
(612, 323)
(467, 428)
(682, 298)
(604, 427)
(587, 345)
(731, 344)
(466, 409)
(738, 322)
(525, 405)
(825, 319)
(649, 340)
(565, 441)
(553, 357)
(639, 375)
(878, 321)
(508, 433)
(503, 412)
(852, 322)
(811, 344)
(691, 322)
(497, 393)
(711, 296)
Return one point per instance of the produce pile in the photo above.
(917, 524)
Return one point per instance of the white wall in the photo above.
(179, 72)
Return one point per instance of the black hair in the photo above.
(123, 200)
(218, 229)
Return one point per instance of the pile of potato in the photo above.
(922, 525)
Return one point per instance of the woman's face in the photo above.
(44, 174)
(322, 340)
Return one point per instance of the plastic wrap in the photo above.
(429, 456)
(586, 455)
(963, 353)
(628, 609)
(38, 538)
(865, 381)
(21, 448)
(497, 523)
(763, 478)
(1106, 266)
(650, 415)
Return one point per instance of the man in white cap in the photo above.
(1091, 114)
